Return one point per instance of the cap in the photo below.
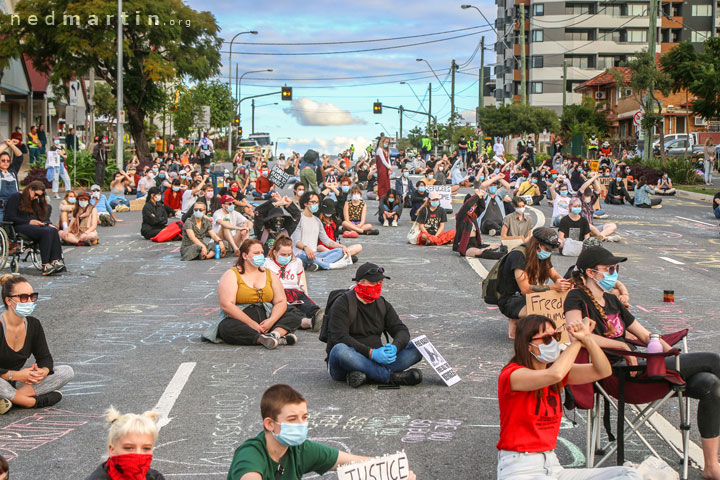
(84, 195)
(547, 236)
(95, 187)
(434, 196)
(553, 171)
(371, 272)
(226, 199)
(327, 207)
(594, 256)
(592, 242)
(525, 173)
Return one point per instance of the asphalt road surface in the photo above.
(128, 317)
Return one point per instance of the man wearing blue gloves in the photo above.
(357, 320)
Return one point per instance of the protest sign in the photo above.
(278, 177)
(604, 183)
(433, 357)
(549, 303)
(445, 195)
(389, 467)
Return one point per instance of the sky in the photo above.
(333, 94)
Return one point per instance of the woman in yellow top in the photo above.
(254, 302)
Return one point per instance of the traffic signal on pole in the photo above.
(435, 134)
(237, 121)
(239, 131)
(286, 93)
(377, 107)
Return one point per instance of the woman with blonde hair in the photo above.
(131, 441)
(82, 230)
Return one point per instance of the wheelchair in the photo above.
(17, 247)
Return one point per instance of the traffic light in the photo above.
(377, 107)
(239, 131)
(237, 121)
(286, 93)
(435, 135)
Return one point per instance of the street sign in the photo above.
(637, 118)
(122, 116)
(73, 90)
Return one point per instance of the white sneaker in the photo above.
(57, 197)
(614, 238)
(394, 224)
(385, 223)
(492, 232)
(342, 263)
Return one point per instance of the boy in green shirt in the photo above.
(281, 451)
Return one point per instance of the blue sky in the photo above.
(333, 107)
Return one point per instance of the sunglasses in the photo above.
(375, 271)
(611, 270)
(26, 297)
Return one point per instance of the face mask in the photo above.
(25, 309)
(543, 254)
(608, 282)
(83, 203)
(198, 213)
(482, 177)
(284, 260)
(57, 142)
(129, 465)
(264, 173)
(421, 189)
(406, 174)
(534, 180)
(374, 175)
(209, 195)
(391, 200)
(95, 194)
(234, 188)
(520, 210)
(345, 188)
(431, 176)
(158, 198)
(619, 179)
(300, 193)
(521, 179)
(548, 353)
(314, 208)
(183, 177)
(357, 197)
(554, 176)
(492, 190)
(368, 293)
(155, 170)
(258, 260)
(72, 199)
(576, 210)
(564, 193)
(587, 199)
(226, 175)
(497, 170)
(176, 189)
(292, 434)
(162, 175)
(441, 169)
(627, 170)
(435, 203)
(230, 208)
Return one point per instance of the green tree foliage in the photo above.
(170, 40)
(517, 119)
(214, 94)
(105, 102)
(584, 119)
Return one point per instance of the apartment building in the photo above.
(589, 36)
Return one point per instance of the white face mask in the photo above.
(520, 210)
(548, 353)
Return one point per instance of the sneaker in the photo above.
(289, 339)
(394, 224)
(5, 406)
(408, 377)
(350, 234)
(604, 215)
(385, 223)
(57, 197)
(313, 267)
(354, 258)
(48, 399)
(269, 341)
(614, 238)
(342, 263)
(48, 269)
(492, 232)
(355, 379)
(317, 320)
(659, 205)
(59, 266)
(373, 232)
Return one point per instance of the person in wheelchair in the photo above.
(82, 230)
(595, 275)
(29, 214)
(8, 178)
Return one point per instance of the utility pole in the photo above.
(119, 132)
(252, 122)
(564, 84)
(92, 104)
(652, 41)
(452, 98)
(481, 94)
(523, 65)
(429, 107)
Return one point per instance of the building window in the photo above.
(536, 87)
(612, 10)
(578, 8)
(610, 36)
(679, 124)
(605, 62)
(579, 35)
(637, 9)
(536, 61)
(699, 37)
(571, 84)
(537, 36)
(538, 9)
(580, 61)
(701, 10)
(637, 36)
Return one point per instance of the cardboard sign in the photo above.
(445, 195)
(389, 467)
(433, 357)
(604, 183)
(511, 243)
(550, 304)
(278, 176)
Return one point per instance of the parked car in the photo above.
(249, 148)
(680, 148)
(394, 152)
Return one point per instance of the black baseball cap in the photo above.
(594, 256)
(547, 236)
(371, 272)
(327, 207)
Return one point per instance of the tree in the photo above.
(105, 103)
(162, 41)
(517, 119)
(680, 65)
(214, 94)
(584, 119)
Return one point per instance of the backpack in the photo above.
(490, 284)
(168, 233)
(352, 309)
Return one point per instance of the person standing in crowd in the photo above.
(230, 225)
(8, 181)
(131, 441)
(431, 220)
(642, 195)
(55, 160)
(22, 336)
(463, 149)
(529, 397)
(99, 153)
(195, 229)
(33, 143)
(42, 136)
(382, 164)
(82, 230)
(309, 232)
(357, 320)
(390, 209)
(71, 140)
(708, 160)
(154, 214)
(29, 213)
(517, 225)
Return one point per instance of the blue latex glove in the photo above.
(392, 349)
(382, 356)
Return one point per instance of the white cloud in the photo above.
(468, 116)
(310, 112)
(331, 146)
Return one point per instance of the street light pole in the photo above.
(253, 112)
(383, 127)
(119, 131)
(252, 32)
(239, 112)
(278, 141)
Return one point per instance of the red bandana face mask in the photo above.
(368, 293)
(129, 466)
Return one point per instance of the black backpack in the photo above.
(490, 284)
(352, 309)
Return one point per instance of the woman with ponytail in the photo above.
(595, 275)
(131, 441)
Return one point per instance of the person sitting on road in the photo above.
(207, 196)
(82, 230)
(517, 225)
(418, 198)
(357, 320)
(106, 216)
(466, 243)
(145, 183)
(665, 186)
(429, 178)
(529, 397)
(22, 336)
(716, 205)
(29, 213)
(573, 229)
(253, 305)
(154, 214)
(309, 233)
(496, 202)
(264, 188)
(274, 218)
(238, 195)
(194, 246)
(589, 193)
(290, 270)
(405, 188)
(596, 273)
(642, 195)
(617, 193)
(431, 220)
(530, 188)
(281, 451)
(131, 441)
(390, 209)
(229, 225)
(119, 187)
(525, 271)
(67, 205)
(173, 196)
(330, 224)
(355, 213)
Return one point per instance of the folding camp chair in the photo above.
(648, 393)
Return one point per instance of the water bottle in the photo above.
(654, 345)
(217, 251)
(655, 363)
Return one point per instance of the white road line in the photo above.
(172, 392)
(478, 267)
(671, 260)
(696, 221)
(540, 216)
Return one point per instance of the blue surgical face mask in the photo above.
(72, 199)
(554, 176)
(25, 309)
(314, 208)
(576, 210)
(231, 208)
(543, 254)
(258, 260)
(406, 174)
(548, 353)
(497, 170)
(482, 177)
(564, 193)
(284, 260)
(435, 203)
(176, 188)
(345, 188)
(608, 282)
(292, 434)
(421, 189)
(162, 175)
(492, 189)
(391, 200)
(534, 180)
(198, 213)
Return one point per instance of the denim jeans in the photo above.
(60, 173)
(115, 201)
(264, 196)
(545, 466)
(322, 259)
(344, 359)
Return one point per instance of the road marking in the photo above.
(668, 259)
(172, 392)
(696, 221)
(477, 266)
(540, 216)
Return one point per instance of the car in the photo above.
(249, 148)
(680, 148)
(394, 153)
